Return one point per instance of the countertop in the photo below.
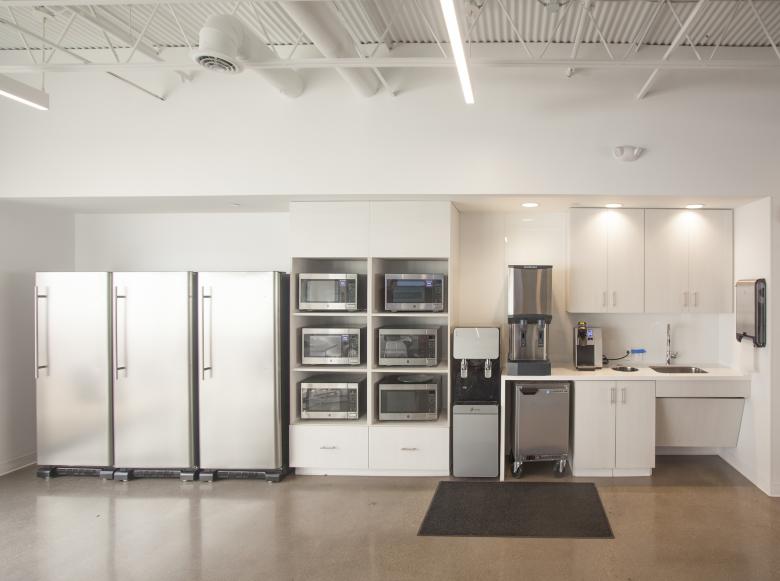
(714, 372)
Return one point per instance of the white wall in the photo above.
(29, 242)
(491, 241)
(752, 259)
(530, 132)
(229, 241)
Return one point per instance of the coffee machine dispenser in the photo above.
(587, 347)
(529, 315)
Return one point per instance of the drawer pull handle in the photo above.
(409, 449)
(328, 447)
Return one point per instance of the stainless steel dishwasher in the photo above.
(475, 440)
(541, 424)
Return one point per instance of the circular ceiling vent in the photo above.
(215, 63)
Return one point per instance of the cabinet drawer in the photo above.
(409, 448)
(338, 447)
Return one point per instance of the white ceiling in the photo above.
(412, 22)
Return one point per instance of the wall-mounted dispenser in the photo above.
(751, 310)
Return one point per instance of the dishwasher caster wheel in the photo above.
(517, 469)
(560, 468)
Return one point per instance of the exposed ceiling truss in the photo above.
(119, 37)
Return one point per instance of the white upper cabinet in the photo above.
(689, 256)
(329, 229)
(711, 260)
(606, 261)
(411, 229)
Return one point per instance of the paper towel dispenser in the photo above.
(751, 310)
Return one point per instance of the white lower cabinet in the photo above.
(329, 447)
(409, 448)
(614, 428)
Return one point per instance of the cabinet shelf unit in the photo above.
(376, 242)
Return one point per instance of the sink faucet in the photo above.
(669, 353)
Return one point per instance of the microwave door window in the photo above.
(322, 345)
(322, 291)
(409, 291)
(325, 400)
(402, 402)
(398, 346)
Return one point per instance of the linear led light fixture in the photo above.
(458, 52)
(22, 93)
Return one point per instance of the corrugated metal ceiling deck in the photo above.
(620, 21)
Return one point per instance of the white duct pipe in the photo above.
(224, 42)
(323, 28)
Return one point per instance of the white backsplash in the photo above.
(491, 241)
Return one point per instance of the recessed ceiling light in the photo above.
(530, 205)
(614, 205)
(694, 206)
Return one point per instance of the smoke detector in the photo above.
(627, 152)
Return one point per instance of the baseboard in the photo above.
(8, 466)
(741, 469)
(342, 472)
(686, 451)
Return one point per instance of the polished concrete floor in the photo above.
(696, 518)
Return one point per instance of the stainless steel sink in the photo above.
(625, 368)
(676, 369)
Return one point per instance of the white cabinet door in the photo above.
(333, 447)
(635, 425)
(625, 260)
(711, 261)
(666, 261)
(587, 281)
(594, 424)
(329, 229)
(410, 229)
(409, 448)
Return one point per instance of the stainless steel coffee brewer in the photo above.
(529, 315)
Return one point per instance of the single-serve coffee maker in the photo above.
(587, 347)
(529, 314)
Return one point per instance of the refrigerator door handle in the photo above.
(117, 334)
(206, 337)
(41, 295)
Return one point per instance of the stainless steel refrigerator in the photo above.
(153, 378)
(243, 347)
(72, 370)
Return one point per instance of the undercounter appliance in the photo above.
(529, 314)
(409, 346)
(540, 423)
(332, 346)
(332, 397)
(244, 394)
(330, 292)
(410, 397)
(414, 292)
(588, 350)
(476, 373)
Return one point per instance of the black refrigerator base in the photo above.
(183, 474)
(47, 472)
(207, 475)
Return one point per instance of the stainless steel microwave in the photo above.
(409, 397)
(329, 292)
(403, 346)
(332, 346)
(414, 292)
(333, 397)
